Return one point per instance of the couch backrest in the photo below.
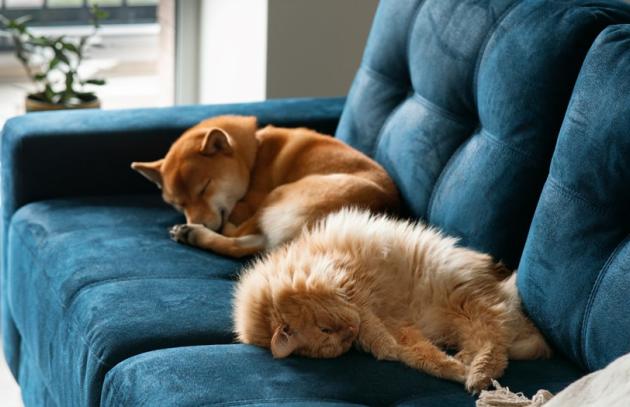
(461, 101)
(574, 275)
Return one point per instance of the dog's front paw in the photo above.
(181, 233)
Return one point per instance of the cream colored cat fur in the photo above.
(398, 290)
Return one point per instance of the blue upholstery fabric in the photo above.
(461, 101)
(200, 375)
(33, 387)
(96, 280)
(575, 272)
(82, 153)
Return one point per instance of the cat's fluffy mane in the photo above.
(326, 257)
(259, 294)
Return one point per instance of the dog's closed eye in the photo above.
(205, 187)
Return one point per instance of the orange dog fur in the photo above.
(260, 187)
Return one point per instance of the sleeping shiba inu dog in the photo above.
(244, 190)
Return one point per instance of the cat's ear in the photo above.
(283, 342)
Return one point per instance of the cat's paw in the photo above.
(459, 371)
(477, 381)
(466, 357)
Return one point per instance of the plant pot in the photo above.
(32, 104)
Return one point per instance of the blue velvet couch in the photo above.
(506, 123)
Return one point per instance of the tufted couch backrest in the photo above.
(574, 276)
(461, 101)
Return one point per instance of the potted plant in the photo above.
(52, 63)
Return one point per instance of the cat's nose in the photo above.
(351, 332)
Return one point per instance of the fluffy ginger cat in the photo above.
(398, 290)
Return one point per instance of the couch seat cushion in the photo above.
(96, 280)
(242, 375)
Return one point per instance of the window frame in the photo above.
(80, 15)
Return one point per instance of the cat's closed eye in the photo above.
(326, 330)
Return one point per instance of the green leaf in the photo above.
(18, 24)
(41, 42)
(49, 94)
(71, 47)
(53, 63)
(99, 82)
(39, 77)
(85, 96)
(98, 14)
(23, 20)
(69, 80)
(62, 57)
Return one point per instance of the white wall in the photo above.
(248, 50)
(187, 51)
(233, 50)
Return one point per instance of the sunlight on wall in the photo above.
(233, 51)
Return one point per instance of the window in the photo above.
(135, 53)
(76, 12)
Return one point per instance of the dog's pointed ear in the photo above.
(283, 342)
(151, 170)
(216, 141)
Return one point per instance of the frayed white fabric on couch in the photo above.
(608, 387)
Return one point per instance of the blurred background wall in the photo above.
(314, 47)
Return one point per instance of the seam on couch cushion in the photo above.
(381, 77)
(118, 397)
(412, 26)
(440, 177)
(73, 321)
(513, 151)
(507, 146)
(441, 111)
(39, 370)
(572, 194)
(379, 135)
(94, 284)
(591, 298)
(484, 46)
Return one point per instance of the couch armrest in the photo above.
(88, 152)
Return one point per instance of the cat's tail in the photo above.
(528, 342)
